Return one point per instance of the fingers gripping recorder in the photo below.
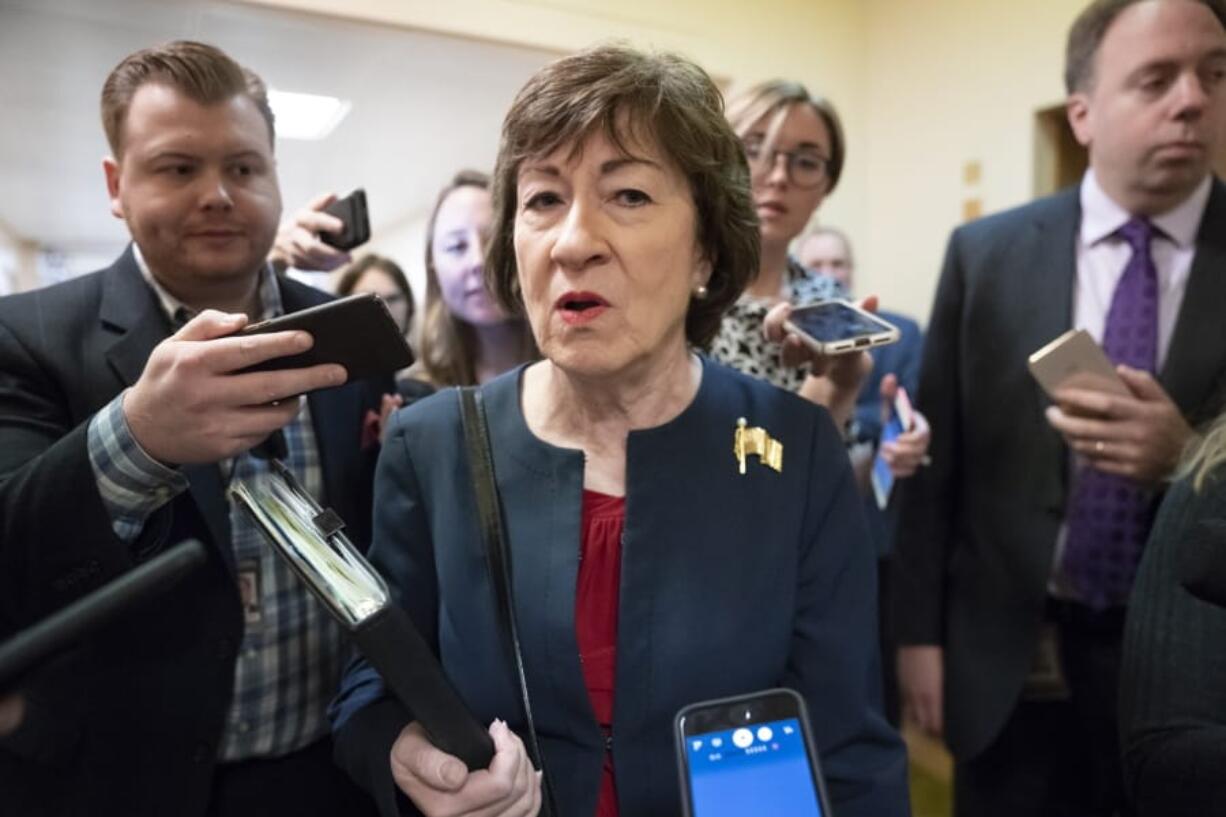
(309, 537)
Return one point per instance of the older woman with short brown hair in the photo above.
(654, 562)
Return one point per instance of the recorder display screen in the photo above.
(760, 768)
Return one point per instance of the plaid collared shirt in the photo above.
(291, 654)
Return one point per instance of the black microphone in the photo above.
(27, 650)
(1200, 562)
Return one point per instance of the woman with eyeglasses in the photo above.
(385, 278)
(795, 147)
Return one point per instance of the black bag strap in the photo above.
(498, 559)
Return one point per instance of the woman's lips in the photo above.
(578, 308)
(770, 208)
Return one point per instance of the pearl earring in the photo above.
(701, 291)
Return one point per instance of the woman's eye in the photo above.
(539, 201)
(456, 248)
(804, 162)
(633, 198)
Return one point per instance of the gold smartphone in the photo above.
(1074, 360)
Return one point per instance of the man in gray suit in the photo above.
(1017, 547)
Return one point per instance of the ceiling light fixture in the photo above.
(306, 116)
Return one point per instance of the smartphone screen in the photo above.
(833, 320)
(900, 420)
(762, 768)
(882, 477)
(751, 754)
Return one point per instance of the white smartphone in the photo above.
(1075, 360)
(836, 327)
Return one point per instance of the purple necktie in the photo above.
(1109, 516)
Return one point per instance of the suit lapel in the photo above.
(1052, 270)
(1197, 355)
(130, 312)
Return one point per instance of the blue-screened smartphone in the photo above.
(752, 754)
(901, 419)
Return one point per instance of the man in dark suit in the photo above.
(1018, 545)
(122, 420)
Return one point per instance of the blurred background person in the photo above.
(385, 278)
(1173, 692)
(826, 251)
(623, 228)
(465, 337)
(780, 120)
(794, 143)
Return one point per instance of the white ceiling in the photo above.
(424, 105)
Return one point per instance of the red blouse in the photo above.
(596, 597)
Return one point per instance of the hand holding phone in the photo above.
(1074, 360)
(299, 243)
(901, 419)
(751, 754)
(837, 327)
(351, 210)
(357, 332)
(184, 409)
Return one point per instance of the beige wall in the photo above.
(925, 86)
(949, 81)
(816, 41)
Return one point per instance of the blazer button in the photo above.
(202, 753)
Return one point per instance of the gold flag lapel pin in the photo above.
(755, 441)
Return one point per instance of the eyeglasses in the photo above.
(805, 168)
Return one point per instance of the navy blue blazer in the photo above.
(730, 583)
(129, 722)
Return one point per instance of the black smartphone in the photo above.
(357, 332)
(352, 211)
(750, 754)
(834, 327)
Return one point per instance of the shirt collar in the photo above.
(1101, 217)
(269, 292)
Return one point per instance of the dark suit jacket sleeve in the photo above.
(928, 501)
(1173, 692)
(56, 540)
(910, 354)
(834, 660)
(365, 720)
